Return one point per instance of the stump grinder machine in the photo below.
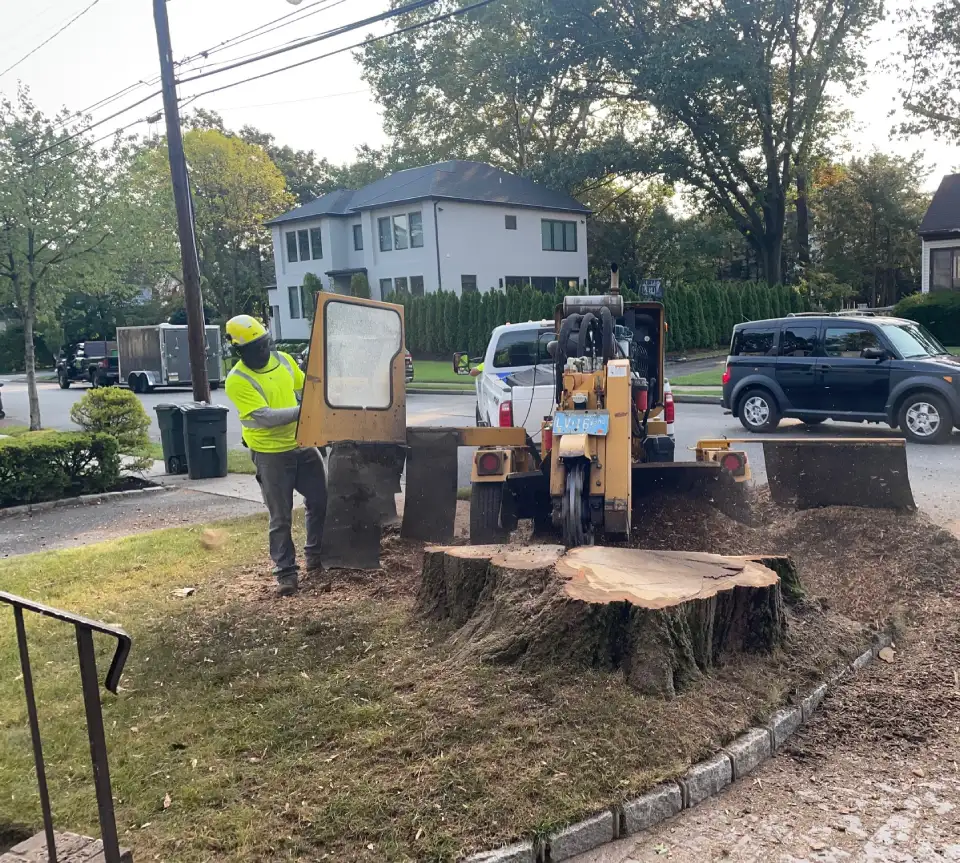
(604, 447)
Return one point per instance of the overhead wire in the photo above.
(49, 39)
(453, 13)
(302, 43)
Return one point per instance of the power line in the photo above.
(86, 129)
(50, 38)
(452, 14)
(87, 144)
(263, 29)
(289, 101)
(302, 43)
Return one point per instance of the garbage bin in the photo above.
(205, 433)
(170, 421)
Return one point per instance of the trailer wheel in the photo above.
(486, 501)
(64, 380)
(137, 383)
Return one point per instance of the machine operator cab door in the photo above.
(355, 388)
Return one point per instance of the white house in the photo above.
(940, 234)
(459, 226)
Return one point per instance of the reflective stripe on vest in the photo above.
(281, 360)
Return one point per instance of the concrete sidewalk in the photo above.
(241, 486)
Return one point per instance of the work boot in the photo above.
(287, 584)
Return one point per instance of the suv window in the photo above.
(522, 348)
(798, 341)
(849, 342)
(755, 343)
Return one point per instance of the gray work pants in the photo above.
(279, 474)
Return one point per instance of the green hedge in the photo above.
(700, 316)
(939, 313)
(51, 465)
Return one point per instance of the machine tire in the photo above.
(925, 410)
(486, 500)
(63, 380)
(758, 411)
(574, 509)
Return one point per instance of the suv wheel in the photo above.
(925, 418)
(758, 411)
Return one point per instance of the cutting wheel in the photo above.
(575, 512)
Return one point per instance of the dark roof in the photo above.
(334, 203)
(943, 215)
(453, 181)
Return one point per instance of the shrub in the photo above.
(120, 414)
(51, 465)
(359, 286)
(939, 313)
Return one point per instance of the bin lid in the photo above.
(199, 409)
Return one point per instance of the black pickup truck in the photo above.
(90, 362)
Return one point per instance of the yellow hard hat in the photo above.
(244, 329)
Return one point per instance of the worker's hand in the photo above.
(475, 373)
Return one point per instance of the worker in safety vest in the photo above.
(266, 387)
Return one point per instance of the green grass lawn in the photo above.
(438, 372)
(699, 379)
(238, 460)
(955, 351)
(704, 391)
(333, 726)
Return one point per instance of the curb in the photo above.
(701, 781)
(83, 500)
(680, 399)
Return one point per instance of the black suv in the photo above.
(854, 369)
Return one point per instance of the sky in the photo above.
(324, 106)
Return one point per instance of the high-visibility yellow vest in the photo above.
(275, 386)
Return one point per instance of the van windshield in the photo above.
(912, 340)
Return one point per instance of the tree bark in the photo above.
(803, 220)
(772, 258)
(662, 619)
(30, 364)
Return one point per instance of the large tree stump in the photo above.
(663, 618)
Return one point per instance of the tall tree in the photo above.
(236, 188)
(736, 89)
(931, 68)
(866, 215)
(57, 217)
(496, 86)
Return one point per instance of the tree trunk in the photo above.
(772, 254)
(661, 618)
(30, 363)
(803, 221)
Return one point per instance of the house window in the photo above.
(303, 242)
(316, 243)
(401, 232)
(386, 234)
(275, 320)
(386, 287)
(400, 284)
(416, 286)
(416, 230)
(558, 236)
(294, 294)
(517, 281)
(510, 223)
(945, 269)
(292, 247)
(468, 284)
(358, 238)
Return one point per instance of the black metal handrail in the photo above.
(84, 628)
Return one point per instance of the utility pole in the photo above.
(196, 337)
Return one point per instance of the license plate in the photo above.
(581, 422)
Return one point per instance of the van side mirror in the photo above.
(874, 354)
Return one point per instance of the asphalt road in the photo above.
(934, 470)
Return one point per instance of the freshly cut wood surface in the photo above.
(655, 579)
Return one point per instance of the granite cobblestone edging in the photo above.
(703, 780)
